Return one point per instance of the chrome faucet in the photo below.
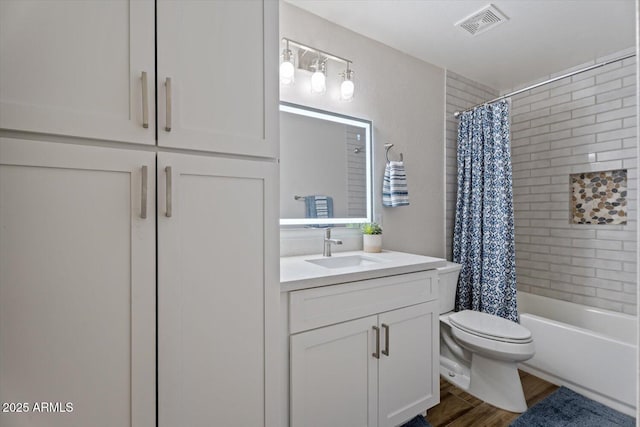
(328, 241)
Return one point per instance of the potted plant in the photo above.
(371, 237)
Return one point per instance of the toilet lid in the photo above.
(489, 326)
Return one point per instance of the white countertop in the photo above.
(296, 273)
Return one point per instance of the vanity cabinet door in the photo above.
(380, 370)
(334, 376)
(218, 294)
(409, 371)
(77, 284)
(75, 68)
(217, 76)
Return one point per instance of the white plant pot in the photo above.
(372, 242)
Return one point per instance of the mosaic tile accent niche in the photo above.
(599, 197)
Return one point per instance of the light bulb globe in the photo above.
(346, 90)
(318, 82)
(287, 73)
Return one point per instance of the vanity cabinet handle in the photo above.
(143, 198)
(377, 352)
(145, 101)
(386, 340)
(167, 125)
(169, 191)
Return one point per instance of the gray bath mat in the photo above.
(566, 408)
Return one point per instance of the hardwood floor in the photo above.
(459, 409)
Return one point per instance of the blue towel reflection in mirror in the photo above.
(318, 206)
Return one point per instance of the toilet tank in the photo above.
(448, 283)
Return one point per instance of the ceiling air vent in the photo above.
(482, 20)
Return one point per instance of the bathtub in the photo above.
(587, 349)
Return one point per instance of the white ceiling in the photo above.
(541, 37)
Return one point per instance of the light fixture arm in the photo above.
(287, 52)
(320, 63)
(348, 73)
(318, 51)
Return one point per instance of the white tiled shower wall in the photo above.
(582, 123)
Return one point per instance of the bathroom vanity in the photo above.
(360, 338)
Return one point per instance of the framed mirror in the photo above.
(325, 167)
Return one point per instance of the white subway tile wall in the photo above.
(582, 123)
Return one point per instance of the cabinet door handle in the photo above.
(386, 340)
(143, 198)
(145, 101)
(377, 352)
(169, 191)
(167, 83)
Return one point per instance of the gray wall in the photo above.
(404, 98)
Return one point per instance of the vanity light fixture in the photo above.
(347, 87)
(315, 61)
(287, 70)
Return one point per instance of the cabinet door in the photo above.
(409, 373)
(218, 292)
(75, 68)
(334, 376)
(77, 284)
(221, 58)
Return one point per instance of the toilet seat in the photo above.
(490, 327)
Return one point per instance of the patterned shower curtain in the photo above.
(483, 239)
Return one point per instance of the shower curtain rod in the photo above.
(564, 76)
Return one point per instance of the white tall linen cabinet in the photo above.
(139, 260)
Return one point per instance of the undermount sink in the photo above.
(344, 261)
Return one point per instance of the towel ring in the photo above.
(387, 147)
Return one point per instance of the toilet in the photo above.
(480, 352)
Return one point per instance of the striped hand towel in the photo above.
(394, 186)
